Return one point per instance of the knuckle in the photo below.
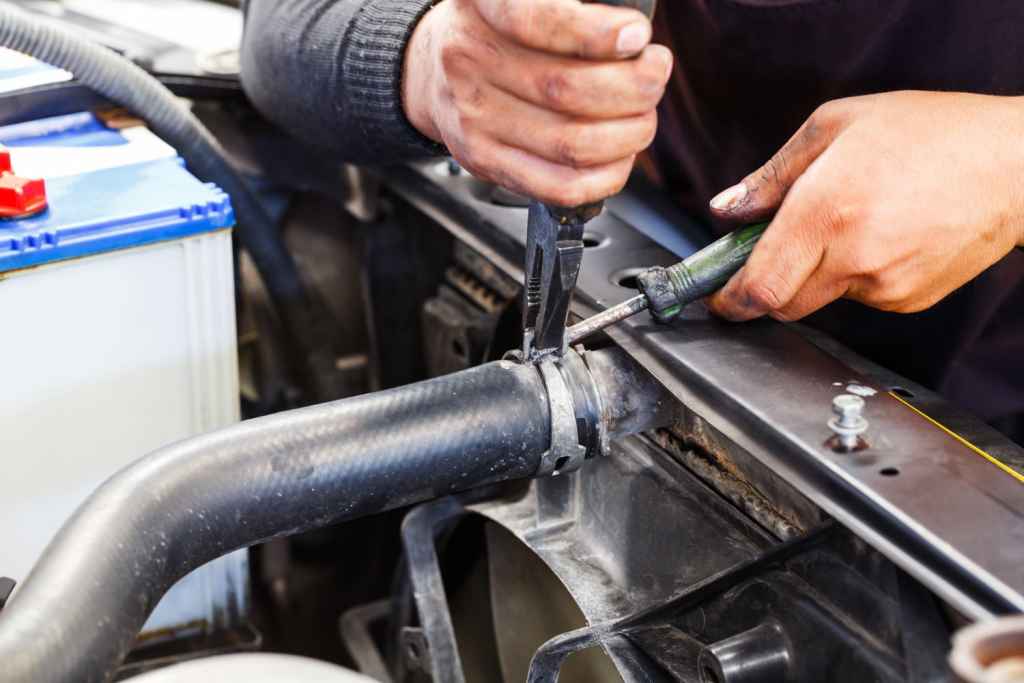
(446, 95)
(888, 292)
(823, 113)
(773, 172)
(454, 56)
(569, 151)
(491, 48)
(582, 145)
(839, 218)
(508, 180)
(765, 294)
(867, 262)
(465, 121)
(559, 89)
(473, 99)
(466, 116)
(469, 100)
(829, 113)
(472, 153)
(826, 119)
(469, 160)
(897, 292)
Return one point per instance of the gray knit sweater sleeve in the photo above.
(329, 72)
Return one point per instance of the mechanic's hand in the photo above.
(894, 200)
(549, 98)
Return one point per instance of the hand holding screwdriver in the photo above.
(666, 291)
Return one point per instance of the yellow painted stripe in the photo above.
(1003, 466)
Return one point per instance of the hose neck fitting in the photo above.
(593, 396)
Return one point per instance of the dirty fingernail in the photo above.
(729, 198)
(633, 38)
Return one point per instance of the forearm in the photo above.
(329, 72)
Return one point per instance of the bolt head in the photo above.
(847, 405)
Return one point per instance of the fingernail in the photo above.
(633, 38)
(729, 198)
(663, 55)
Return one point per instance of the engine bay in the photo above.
(350, 463)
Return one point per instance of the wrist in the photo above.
(418, 75)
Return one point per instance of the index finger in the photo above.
(569, 27)
(784, 259)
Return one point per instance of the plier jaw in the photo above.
(554, 256)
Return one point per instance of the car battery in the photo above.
(117, 334)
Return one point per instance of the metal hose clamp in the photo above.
(566, 453)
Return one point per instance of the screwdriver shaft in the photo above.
(596, 323)
(691, 279)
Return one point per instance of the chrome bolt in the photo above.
(848, 421)
(848, 409)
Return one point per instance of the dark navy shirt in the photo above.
(749, 72)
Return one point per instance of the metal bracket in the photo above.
(566, 453)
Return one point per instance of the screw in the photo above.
(848, 422)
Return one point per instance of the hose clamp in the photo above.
(566, 453)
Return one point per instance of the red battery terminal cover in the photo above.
(19, 197)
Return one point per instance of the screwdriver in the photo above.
(666, 291)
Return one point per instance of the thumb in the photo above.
(760, 194)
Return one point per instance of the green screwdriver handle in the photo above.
(669, 290)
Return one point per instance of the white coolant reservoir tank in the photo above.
(253, 668)
(117, 334)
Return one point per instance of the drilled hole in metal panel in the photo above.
(626, 278)
(889, 472)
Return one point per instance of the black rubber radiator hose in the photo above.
(125, 84)
(78, 612)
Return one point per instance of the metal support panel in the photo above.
(926, 500)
